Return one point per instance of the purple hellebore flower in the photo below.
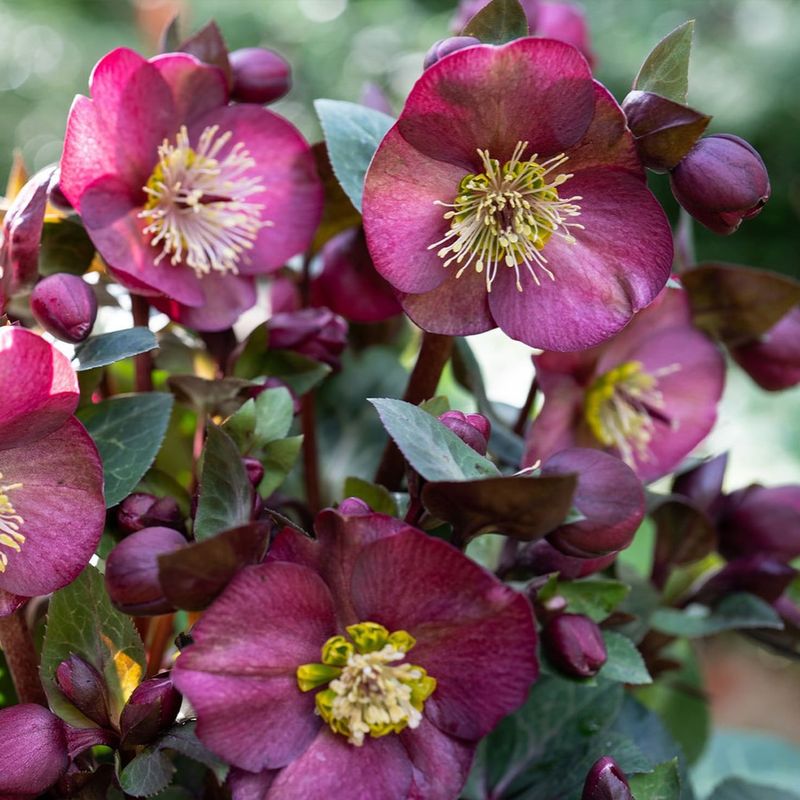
(260, 75)
(721, 182)
(51, 479)
(65, 306)
(316, 333)
(141, 510)
(574, 643)
(186, 197)
(648, 396)
(509, 194)
(773, 362)
(451, 649)
(606, 781)
(473, 429)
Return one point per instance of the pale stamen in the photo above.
(10, 523)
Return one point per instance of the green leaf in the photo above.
(737, 789)
(735, 612)
(663, 783)
(148, 773)
(432, 449)
(594, 598)
(81, 620)
(436, 406)
(499, 22)
(226, 495)
(666, 70)
(278, 459)
(377, 497)
(261, 420)
(352, 134)
(182, 737)
(625, 663)
(66, 247)
(98, 351)
(128, 431)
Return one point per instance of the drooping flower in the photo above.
(65, 306)
(648, 396)
(509, 194)
(372, 658)
(51, 480)
(184, 196)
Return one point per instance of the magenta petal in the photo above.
(618, 265)
(45, 399)
(196, 87)
(34, 752)
(463, 620)
(9, 603)
(240, 673)
(226, 297)
(292, 195)
(400, 213)
(61, 503)
(440, 762)
(530, 90)
(380, 770)
(245, 785)
(774, 361)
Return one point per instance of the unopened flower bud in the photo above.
(316, 333)
(84, 687)
(132, 571)
(255, 470)
(140, 510)
(574, 643)
(541, 558)
(444, 47)
(773, 361)
(259, 75)
(472, 429)
(606, 781)
(703, 484)
(65, 306)
(721, 181)
(151, 708)
(758, 574)
(353, 507)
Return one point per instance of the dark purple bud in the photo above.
(703, 484)
(473, 429)
(773, 362)
(606, 781)
(758, 574)
(140, 510)
(255, 470)
(151, 708)
(444, 47)
(541, 558)
(84, 687)
(65, 306)
(789, 610)
(259, 75)
(132, 571)
(763, 520)
(316, 333)
(574, 643)
(563, 21)
(720, 182)
(34, 752)
(608, 494)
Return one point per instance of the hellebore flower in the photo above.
(185, 197)
(451, 650)
(648, 396)
(140, 510)
(51, 480)
(316, 333)
(606, 781)
(773, 362)
(34, 753)
(509, 194)
(574, 643)
(720, 182)
(348, 283)
(472, 429)
(65, 306)
(760, 519)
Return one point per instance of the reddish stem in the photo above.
(310, 457)
(525, 411)
(144, 361)
(23, 662)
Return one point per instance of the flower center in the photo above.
(197, 208)
(622, 407)
(368, 693)
(506, 214)
(10, 524)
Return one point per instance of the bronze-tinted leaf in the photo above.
(209, 46)
(498, 22)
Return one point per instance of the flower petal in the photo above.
(245, 785)
(196, 87)
(618, 264)
(474, 635)
(61, 503)
(45, 399)
(240, 672)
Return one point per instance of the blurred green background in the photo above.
(745, 71)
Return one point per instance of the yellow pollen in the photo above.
(10, 524)
(197, 210)
(368, 693)
(505, 215)
(621, 407)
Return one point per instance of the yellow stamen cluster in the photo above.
(620, 408)
(197, 209)
(506, 214)
(10, 524)
(368, 693)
